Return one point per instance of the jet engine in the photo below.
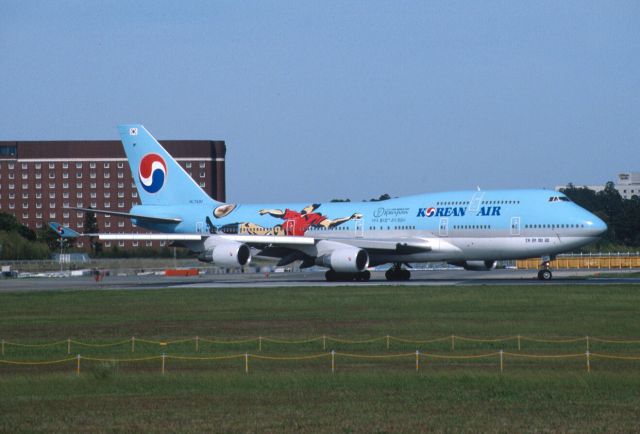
(476, 265)
(345, 260)
(228, 254)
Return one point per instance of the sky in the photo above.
(339, 99)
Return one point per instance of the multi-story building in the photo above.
(628, 185)
(41, 180)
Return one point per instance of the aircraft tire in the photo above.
(366, 275)
(330, 276)
(545, 274)
(405, 275)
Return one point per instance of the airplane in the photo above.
(471, 229)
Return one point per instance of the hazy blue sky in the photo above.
(327, 99)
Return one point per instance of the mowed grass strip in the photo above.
(304, 396)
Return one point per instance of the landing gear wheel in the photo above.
(545, 274)
(396, 273)
(364, 276)
(330, 276)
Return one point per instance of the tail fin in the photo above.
(159, 178)
(63, 231)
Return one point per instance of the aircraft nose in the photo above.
(596, 224)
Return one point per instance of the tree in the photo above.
(91, 226)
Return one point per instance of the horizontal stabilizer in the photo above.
(63, 231)
(174, 220)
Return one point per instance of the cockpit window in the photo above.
(559, 199)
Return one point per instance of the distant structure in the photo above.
(628, 185)
(40, 179)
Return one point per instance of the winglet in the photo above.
(63, 231)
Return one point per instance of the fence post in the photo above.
(387, 342)
(164, 356)
(78, 365)
(259, 343)
(417, 360)
(68, 345)
(246, 363)
(324, 342)
(588, 361)
(453, 342)
(333, 361)
(587, 343)
(501, 360)
(3, 347)
(197, 344)
(133, 344)
(518, 342)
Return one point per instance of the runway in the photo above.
(315, 279)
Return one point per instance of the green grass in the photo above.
(304, 396)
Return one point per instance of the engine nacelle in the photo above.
(228, 254)
(346, 260)
(476, 265)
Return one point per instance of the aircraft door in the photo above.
(359, 228)
(515, 225)
(199, 227)
(443, 229)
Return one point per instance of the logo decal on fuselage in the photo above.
(152, 173)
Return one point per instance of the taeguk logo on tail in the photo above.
(152, 172)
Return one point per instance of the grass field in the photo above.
(363, 395)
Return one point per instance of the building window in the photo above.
(78, 175)
(52, 205)
(12, 205)
(107, 244)
(107, 204)
(38, 186)
(10, 166)
(11, 186)
(120, 204)
(120, 224)
(93, 194)
(52, 215)
(24, 166)
(121, 194)
(52, 185)
(38, 175)
(65, 204)
(94, 205)
(39, 195)
(38, 166)
(65, 175)
(188, 164)
(80, 243)
(78, 185)
(52, 165)
(202, 175)
(52, 195)
(203, 184)
(12, 176)
(107, 175)
(120, 175)
(80, 204)
(38, 225)
(25, 215)
(25, 186)
(92, 175)
(78, 165)
(65, 165)
(134, 194)
(148, 243)
(38, 215)
(92, 165)
(80, 224)
(121, 243)
(120, 184)
(134, 243)
(65, 215)
(79, 195)
(25, 195)
(65, 195)
(65, 185)
(25, 205)
(107, 185)
(38, 205)
(107, 194)
(52, 175)
(79, 215)
(105, 165)
(203, 164)
(163, 243)
(107, 224)
(12, 195)
(26, 176)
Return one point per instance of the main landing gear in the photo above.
(334, 276)
(397, 273)
(545, 273)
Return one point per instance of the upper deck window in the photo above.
(559, 199)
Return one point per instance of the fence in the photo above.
(588, 261)
(260, 341)
(332, 355)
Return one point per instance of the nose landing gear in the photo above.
(545, 272)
